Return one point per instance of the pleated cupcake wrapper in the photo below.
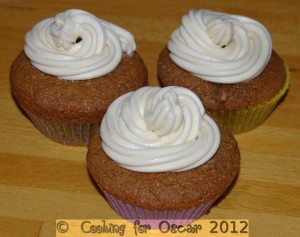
(67, 134)
(243, 120)
(157, 218)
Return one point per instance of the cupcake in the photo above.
(159, 157)
(72, 67)
(228, 61)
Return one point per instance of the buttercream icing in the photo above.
(219, 47)
(159, 129)
(76, 45)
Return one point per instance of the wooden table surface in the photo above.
(41, 181)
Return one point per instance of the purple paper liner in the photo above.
(67, 134)
(157, 218)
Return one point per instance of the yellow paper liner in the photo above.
(243, 120)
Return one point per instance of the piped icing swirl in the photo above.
(159, 129)
(76, 45)
(220, 48)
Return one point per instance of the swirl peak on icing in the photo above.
(219, 47)
(158, 130)
(76, 45)
(220, 30)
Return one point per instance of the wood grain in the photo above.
(41, 181)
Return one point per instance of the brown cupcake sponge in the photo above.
(218, 96)
(169, 190)
(73, 102)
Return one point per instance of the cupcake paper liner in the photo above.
(243, 120)
(67, 134)
(157, 218)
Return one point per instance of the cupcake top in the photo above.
(76, 45)
(220, 48)
(159, 129)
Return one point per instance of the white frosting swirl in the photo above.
(219, 47)
(75, 45)
(159, 129)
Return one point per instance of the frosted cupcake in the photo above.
(159, 156)
(228, 61)
(72, 67)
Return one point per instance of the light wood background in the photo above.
(41, 181)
